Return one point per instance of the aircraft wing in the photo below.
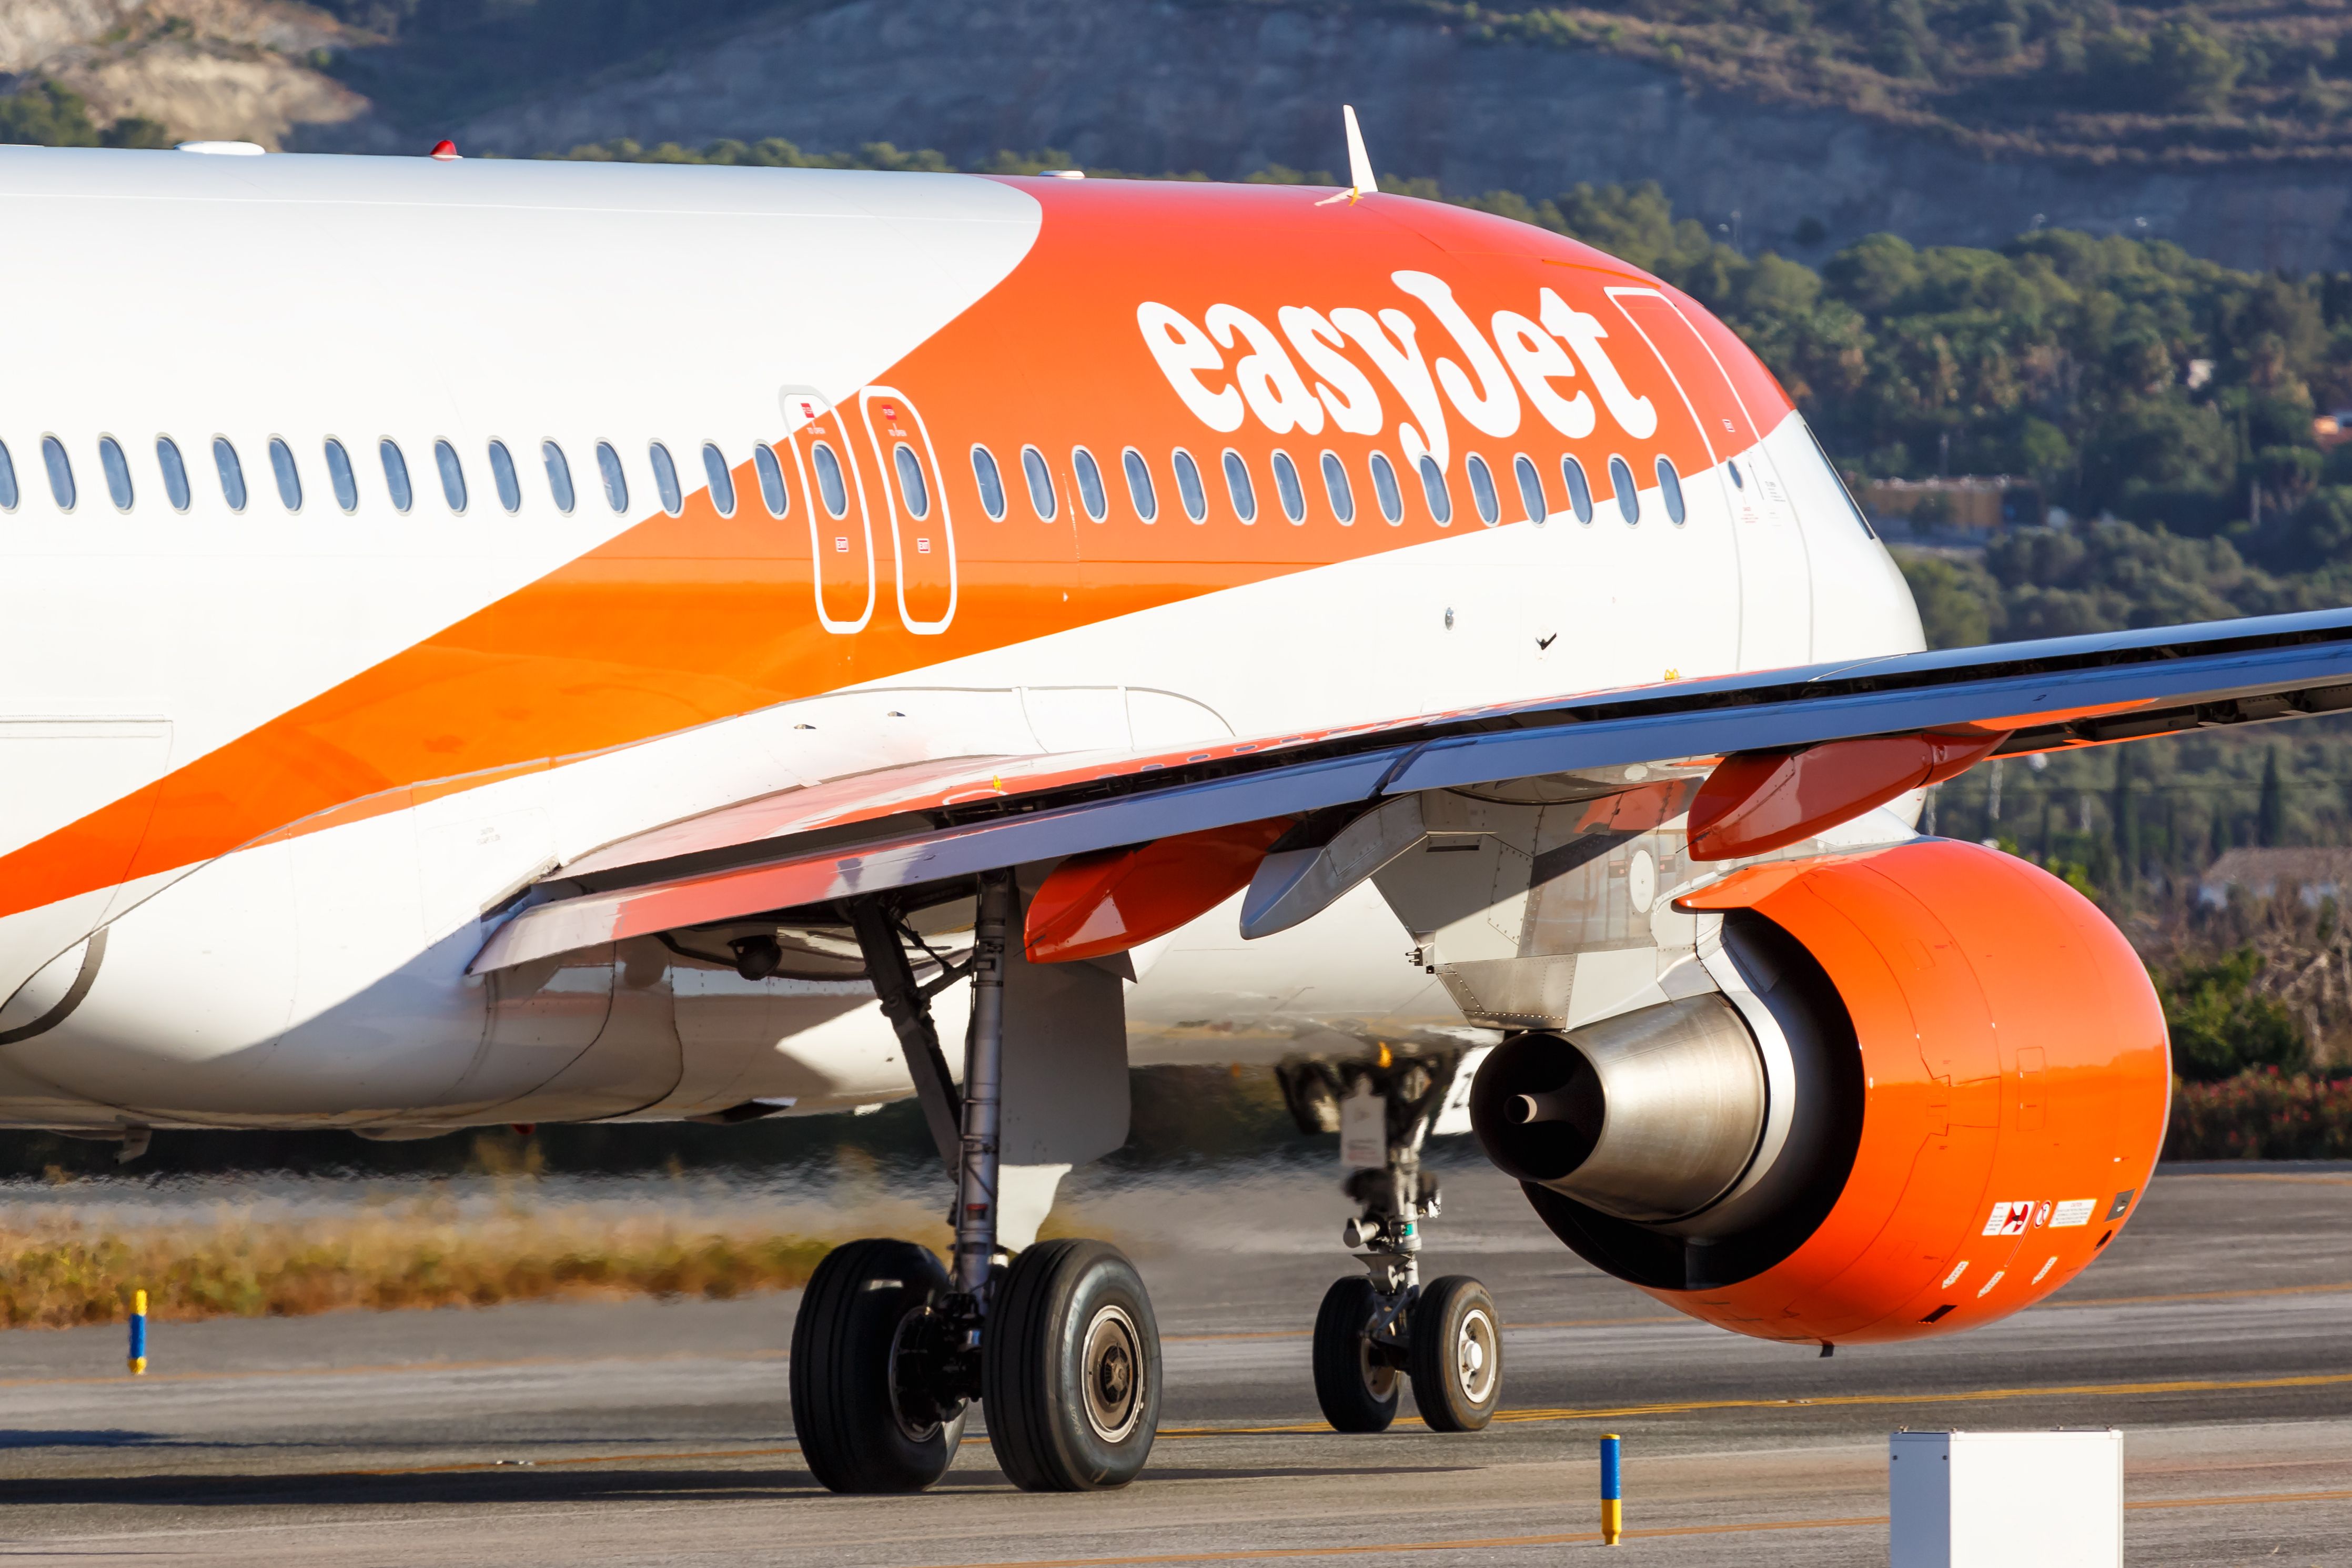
(942, 820)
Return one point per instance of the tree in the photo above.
(2269, 815)
(2221, 1026)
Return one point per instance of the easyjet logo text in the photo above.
(1488, 379)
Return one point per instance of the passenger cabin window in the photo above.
(990, 483)
(1629, 500)
(1138, 484)
(8, 480)
(1579, 492)
(1091, 494)
(453, 476)
(721, 478)
(1386, 490)
(829, 481)
(111, 464)
(167, 458)
(1286, 488)
(1531, 490)
(1342, 495)
(60, 467)
(232, 473)
(616, 484)
(1189, 488)
(340, 477)
(1670, 490)
(559, 476)
(673, 500)
(1739, 480)
(395, 474)
(1238, 486)
(911, 488)
(1041, 483)
(1482, 490)
(281, 465)
(504, 478)
(771, 479)
(1434, 490)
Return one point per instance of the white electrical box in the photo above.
(2006, 1499)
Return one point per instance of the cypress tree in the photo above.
(2270, 818)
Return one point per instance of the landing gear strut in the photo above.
(1057, 1343)
(1379, 1330)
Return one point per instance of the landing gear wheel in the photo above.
(1070, 1368)
(861, 1404)
(1456, 1359)
(1356, 1387)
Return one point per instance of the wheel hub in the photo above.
(1112, 1370)
(1473, 1355)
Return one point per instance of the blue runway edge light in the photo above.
(1612, 1490)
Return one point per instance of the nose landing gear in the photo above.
(1384, 1328)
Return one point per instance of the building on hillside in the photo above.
(1967, 504)
(2310, 874)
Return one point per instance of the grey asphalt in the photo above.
(2215, 1334)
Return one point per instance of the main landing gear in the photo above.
(1058, 1342)
(1378, 1330)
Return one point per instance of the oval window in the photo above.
(1138, 484)
(616, 482)
(559, 476)
(167, 458)
(453, 476)
(1335, 486)
(395, 473)
(1091, 494)
(1238, 486)
(1580, 492)
(1434, 491)
(1386, 490)
(1531, 490)
(912, 489)
(673, 499)
(282, 469)
(1670, 490)
(503, 477)
(8, 480)
(1041, 483)
(992, 483)
(117, 470)
(1287, 485)
(1482, 490)
(1189, 488)
(1629, 500)
(60, 467)
(829, 481)
(339, 474)
(771, 480)
(232, 473)
(720, 478)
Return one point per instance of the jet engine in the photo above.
(1930, 1091)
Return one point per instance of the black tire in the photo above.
(1358, 1391)
(1070, 1368)
(1456, 1357)
(856, 1431)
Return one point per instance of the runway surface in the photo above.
(2215, 1334)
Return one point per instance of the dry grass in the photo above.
(414, 1252)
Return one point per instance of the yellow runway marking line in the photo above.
(1507, 1328)
(2312, 1180)
(2246, 1295)
(391, 1368)
(471, 1464)
(1828, 1401)
(1496, 1542)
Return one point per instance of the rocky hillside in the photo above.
(1791, 124)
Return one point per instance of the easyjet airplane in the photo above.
(523, 642)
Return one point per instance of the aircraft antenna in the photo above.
(1361, 180)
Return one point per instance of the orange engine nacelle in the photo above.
(1941, 1100)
